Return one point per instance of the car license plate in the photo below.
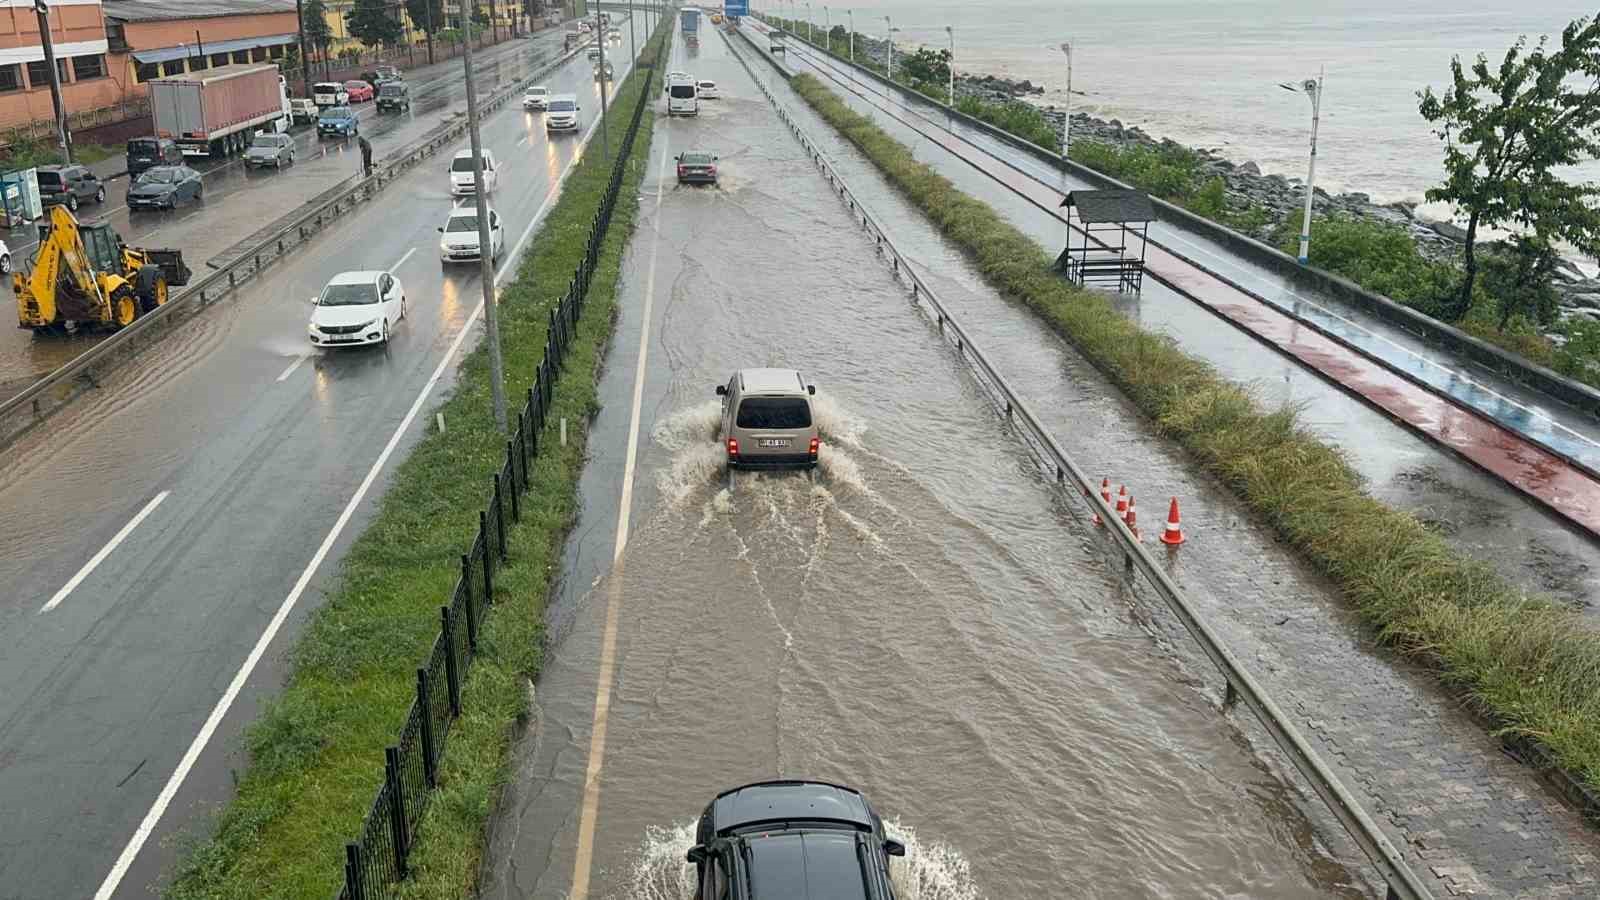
(341, 338)
(773, 442)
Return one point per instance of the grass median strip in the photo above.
(317, 751)
(1531, 665)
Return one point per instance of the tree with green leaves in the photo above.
(375, 23)
(926, 65)
(314, 21)
(427, 15)
(1506, 133)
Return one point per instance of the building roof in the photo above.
(167, 10)
(167, 54)
(1111, 206)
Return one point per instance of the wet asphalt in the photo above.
(239, 201)
(256, 445)
(919, 619)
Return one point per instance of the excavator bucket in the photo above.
(172, 266)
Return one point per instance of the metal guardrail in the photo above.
(31, 402)
(1240, 684)
(378, 859)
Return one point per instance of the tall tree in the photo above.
(374, 23)
(427, 15)
(318, 35)
(1507, 130)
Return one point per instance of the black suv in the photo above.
(792, 840)
(68, 186)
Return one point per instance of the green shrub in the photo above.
(1376, 255)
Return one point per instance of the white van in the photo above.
(461, 181)
(682, 98)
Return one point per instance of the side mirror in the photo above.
(715, 158)
(893, 847)
(314, 301)
(722, 390)
(696, 854)
(440, 229)
(811, 389)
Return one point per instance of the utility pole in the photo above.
(600, 40)
(491, 316)
(951, 66)
(852, 37)
(633, 37)
(62, 135)
(427, 12)
(305, 62)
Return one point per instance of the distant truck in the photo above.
(217, 111)
(689, 19)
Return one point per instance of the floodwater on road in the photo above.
(918, 618)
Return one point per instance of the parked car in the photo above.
(268, 149)
(537, 97)
(792, 839)
(69, 186)
(563, 113)
(706, 90)
(5, 259)
(358, 91)
(460, 241)
(329, 93)
(145, 152)
(697, 167)
(395, 95)
(767, 420)
(338, 121)
(357, 308)
(165, 187)
(461, 180)
(303, 110)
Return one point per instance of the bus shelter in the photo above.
(1113, 227)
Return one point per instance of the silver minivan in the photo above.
(767, 420)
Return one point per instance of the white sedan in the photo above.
(357, 308)
(706, 90)
(536, 98)
(460, 242)
(5, 259)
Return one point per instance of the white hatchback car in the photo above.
(707, 90)
(536, 98)
(357, 308)
(461, 183)
(460, 241)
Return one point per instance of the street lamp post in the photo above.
(1066, 126)
(827, 28)
(852, 37)
(491, 315)
(888, 33)
(811, 34)
(1312, 88)
(951, 65)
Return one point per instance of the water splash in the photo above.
(697, 424)
(835, 423)
(693, 468)
(930, 870)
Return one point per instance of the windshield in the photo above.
(537, 92)
(696, 159)
(327, 88)
(462, 223)
(464, 164)
(145, 149)
(355, 85)
(50, 179)
(338, 112)
(349, 294)
(683, 91)
(267, 141)
(774, 412)
(562, 106)
(391, 90)
(826, 862)
(159, 176)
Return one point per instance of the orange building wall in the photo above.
(19, 27)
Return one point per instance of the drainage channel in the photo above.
(1066, 475)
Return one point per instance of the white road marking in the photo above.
(105, 551)
(583, 858)
(292, 366)
(119, 870)
(402, 260)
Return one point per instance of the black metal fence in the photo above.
(377, 859)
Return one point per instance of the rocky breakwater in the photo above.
(1282, 198)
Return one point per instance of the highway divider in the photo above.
(1066, 475)
(50, 393)
(1528, 665)
(1511, 365)
(373, 774)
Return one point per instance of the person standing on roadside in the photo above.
(366, 156)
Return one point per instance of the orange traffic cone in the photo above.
(1132, 520)
(1122, 499)
(1105, 494)
(1174, 533)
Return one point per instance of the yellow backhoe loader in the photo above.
(85, 276)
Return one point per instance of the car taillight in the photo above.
(733, 447)
(814, 444)
(712, 169)
(682, 170)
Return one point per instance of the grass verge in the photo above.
(317, 751)
(1530, 665)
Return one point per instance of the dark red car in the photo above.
(359, 91)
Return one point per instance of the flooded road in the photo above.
(919, 620)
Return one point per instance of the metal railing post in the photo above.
(425, 701)
(488, 558)
(452, 674)
(511, 458)
(499, 518)
(472, 612)
(397, 808)
(352, 872)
